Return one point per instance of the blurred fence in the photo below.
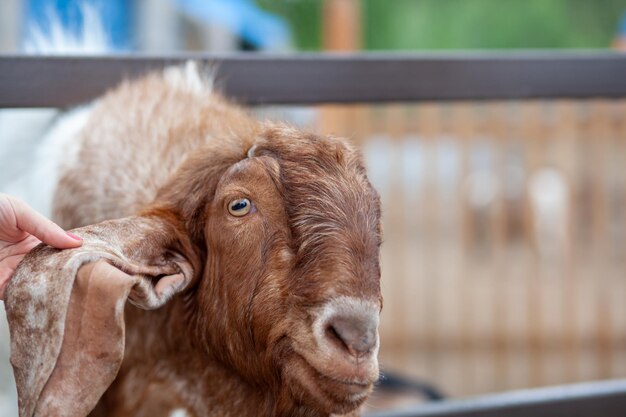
(505, 238)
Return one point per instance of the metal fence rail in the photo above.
(318, 78)
(606, 399)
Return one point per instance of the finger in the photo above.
(42, 228)
(20, 248)
(9, 233)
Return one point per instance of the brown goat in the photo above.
(258, 243)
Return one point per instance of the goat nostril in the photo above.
(333, 335)
(357, 336)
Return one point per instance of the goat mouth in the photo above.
(332, 394)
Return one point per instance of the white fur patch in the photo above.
(190, 78)
(251, 151)
(179, 412)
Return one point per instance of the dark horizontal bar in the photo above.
(606, 399)
(31, 81)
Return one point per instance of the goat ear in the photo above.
(66, 310)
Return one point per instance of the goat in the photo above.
(248, 252)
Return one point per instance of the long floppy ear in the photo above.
(66, 309)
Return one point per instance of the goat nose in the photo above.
(358, 335)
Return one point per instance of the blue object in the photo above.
(621, 31)
(259, 28)
(116, 15)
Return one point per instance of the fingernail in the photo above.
(73, 236)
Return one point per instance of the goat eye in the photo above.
(239, 207)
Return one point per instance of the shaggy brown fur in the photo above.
(240, 338)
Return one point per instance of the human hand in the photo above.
(21, 229)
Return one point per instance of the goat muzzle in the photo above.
(338, 365)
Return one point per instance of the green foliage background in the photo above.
(464, 24)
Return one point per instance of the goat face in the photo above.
(291, 281)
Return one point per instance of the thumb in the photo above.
(42, 228)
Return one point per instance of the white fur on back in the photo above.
(21, 132)
(57, 151)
